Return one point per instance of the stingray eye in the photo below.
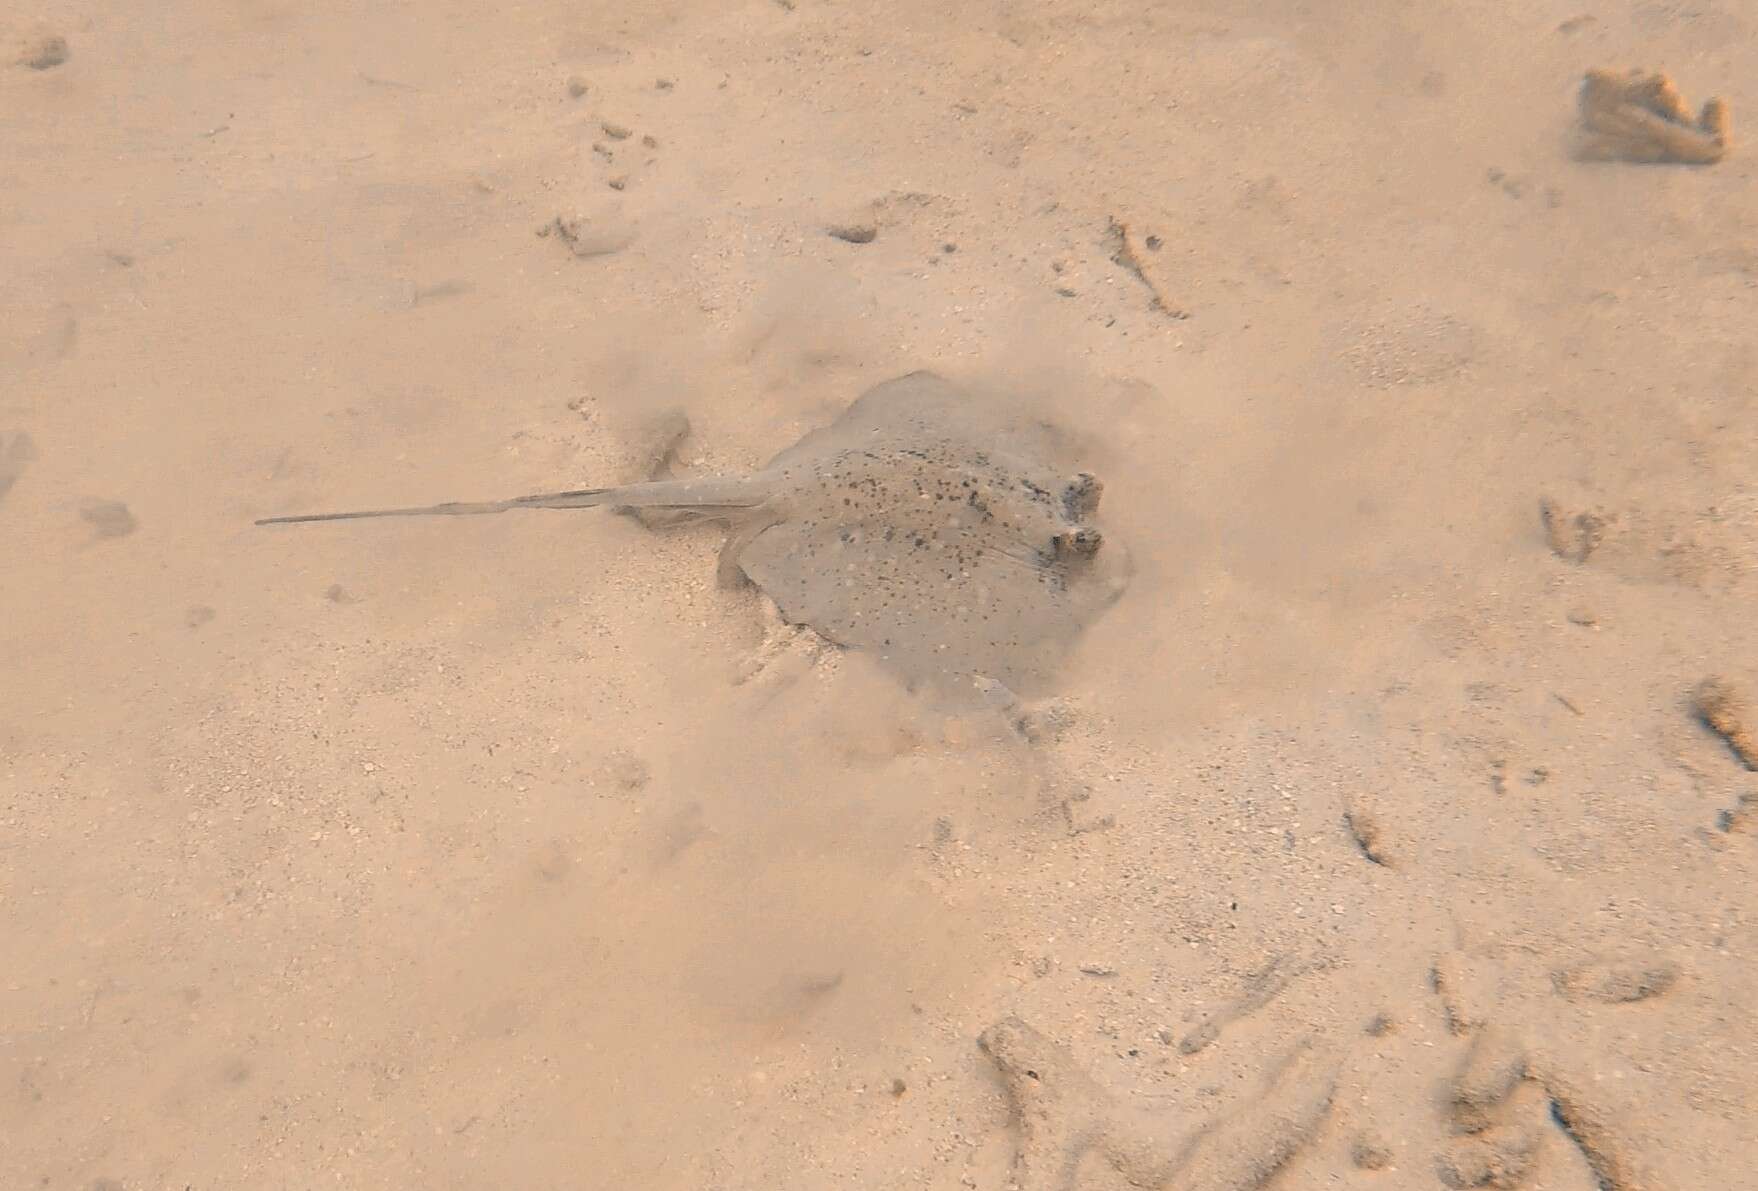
(1080, 496)
(1077, 543)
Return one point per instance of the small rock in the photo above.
(45, 53)
(1199, 1038)
(1364, 825)
(1468, 989)
(652, 142)
(198, 615)
(1740, 817)
(552, 862)
(110, 518)
(337, 594)
(617, 132)
(618, 182)
(1727, 709)
(589, 238)
(1572, 535)
(1639, 116)
(1047, 721)
(577, 86)
(854, 233)
(1494, 1066)
(1369, 1154)
(13, 458)
(1494, 1158)
(628, 772)
(664, 84)
(1616, 982)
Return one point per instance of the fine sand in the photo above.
(1395, 828)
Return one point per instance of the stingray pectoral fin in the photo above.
(729, 571)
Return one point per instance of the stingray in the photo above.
(926, 525)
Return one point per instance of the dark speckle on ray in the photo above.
(929, 526)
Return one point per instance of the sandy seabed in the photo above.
(1391, 831)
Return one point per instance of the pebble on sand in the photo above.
(45, 53)
(110, 518)
(1727, 709)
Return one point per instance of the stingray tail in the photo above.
(704, 495)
